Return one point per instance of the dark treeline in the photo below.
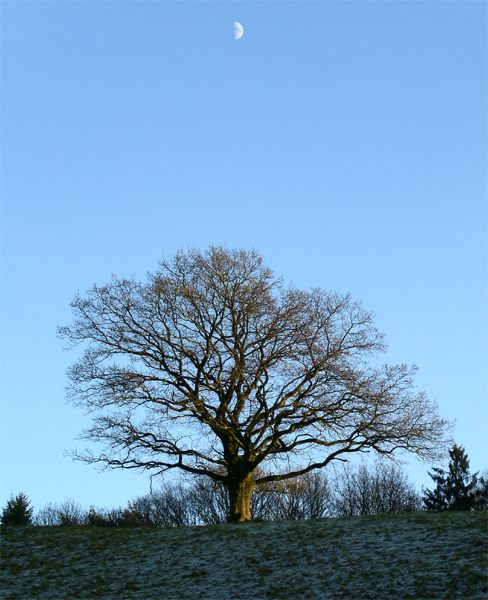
(364, 490)
(377, 489)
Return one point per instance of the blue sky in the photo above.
(347, 141)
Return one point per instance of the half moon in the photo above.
(238, 30)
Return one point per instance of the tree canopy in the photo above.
(215, 367)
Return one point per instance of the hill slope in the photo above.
(419, 555)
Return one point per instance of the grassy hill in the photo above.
(419, 555)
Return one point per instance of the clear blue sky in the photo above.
(347, 141)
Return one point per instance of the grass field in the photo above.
(417, 555)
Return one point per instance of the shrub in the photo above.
(115, 517)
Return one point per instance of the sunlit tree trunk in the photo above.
(240, 492)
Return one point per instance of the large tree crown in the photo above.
(213, 363)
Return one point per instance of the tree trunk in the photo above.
(240, 492)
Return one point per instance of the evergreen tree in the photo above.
(436, 499)
(481, 493)
(456, 488)
(17, 511)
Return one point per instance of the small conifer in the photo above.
(456, 488)
(18, 511)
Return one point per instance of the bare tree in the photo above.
(304, 497)
(67, 513)
(48, 515)
(214, 367)
(374, 490)
(209, 501)
(168, 507)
